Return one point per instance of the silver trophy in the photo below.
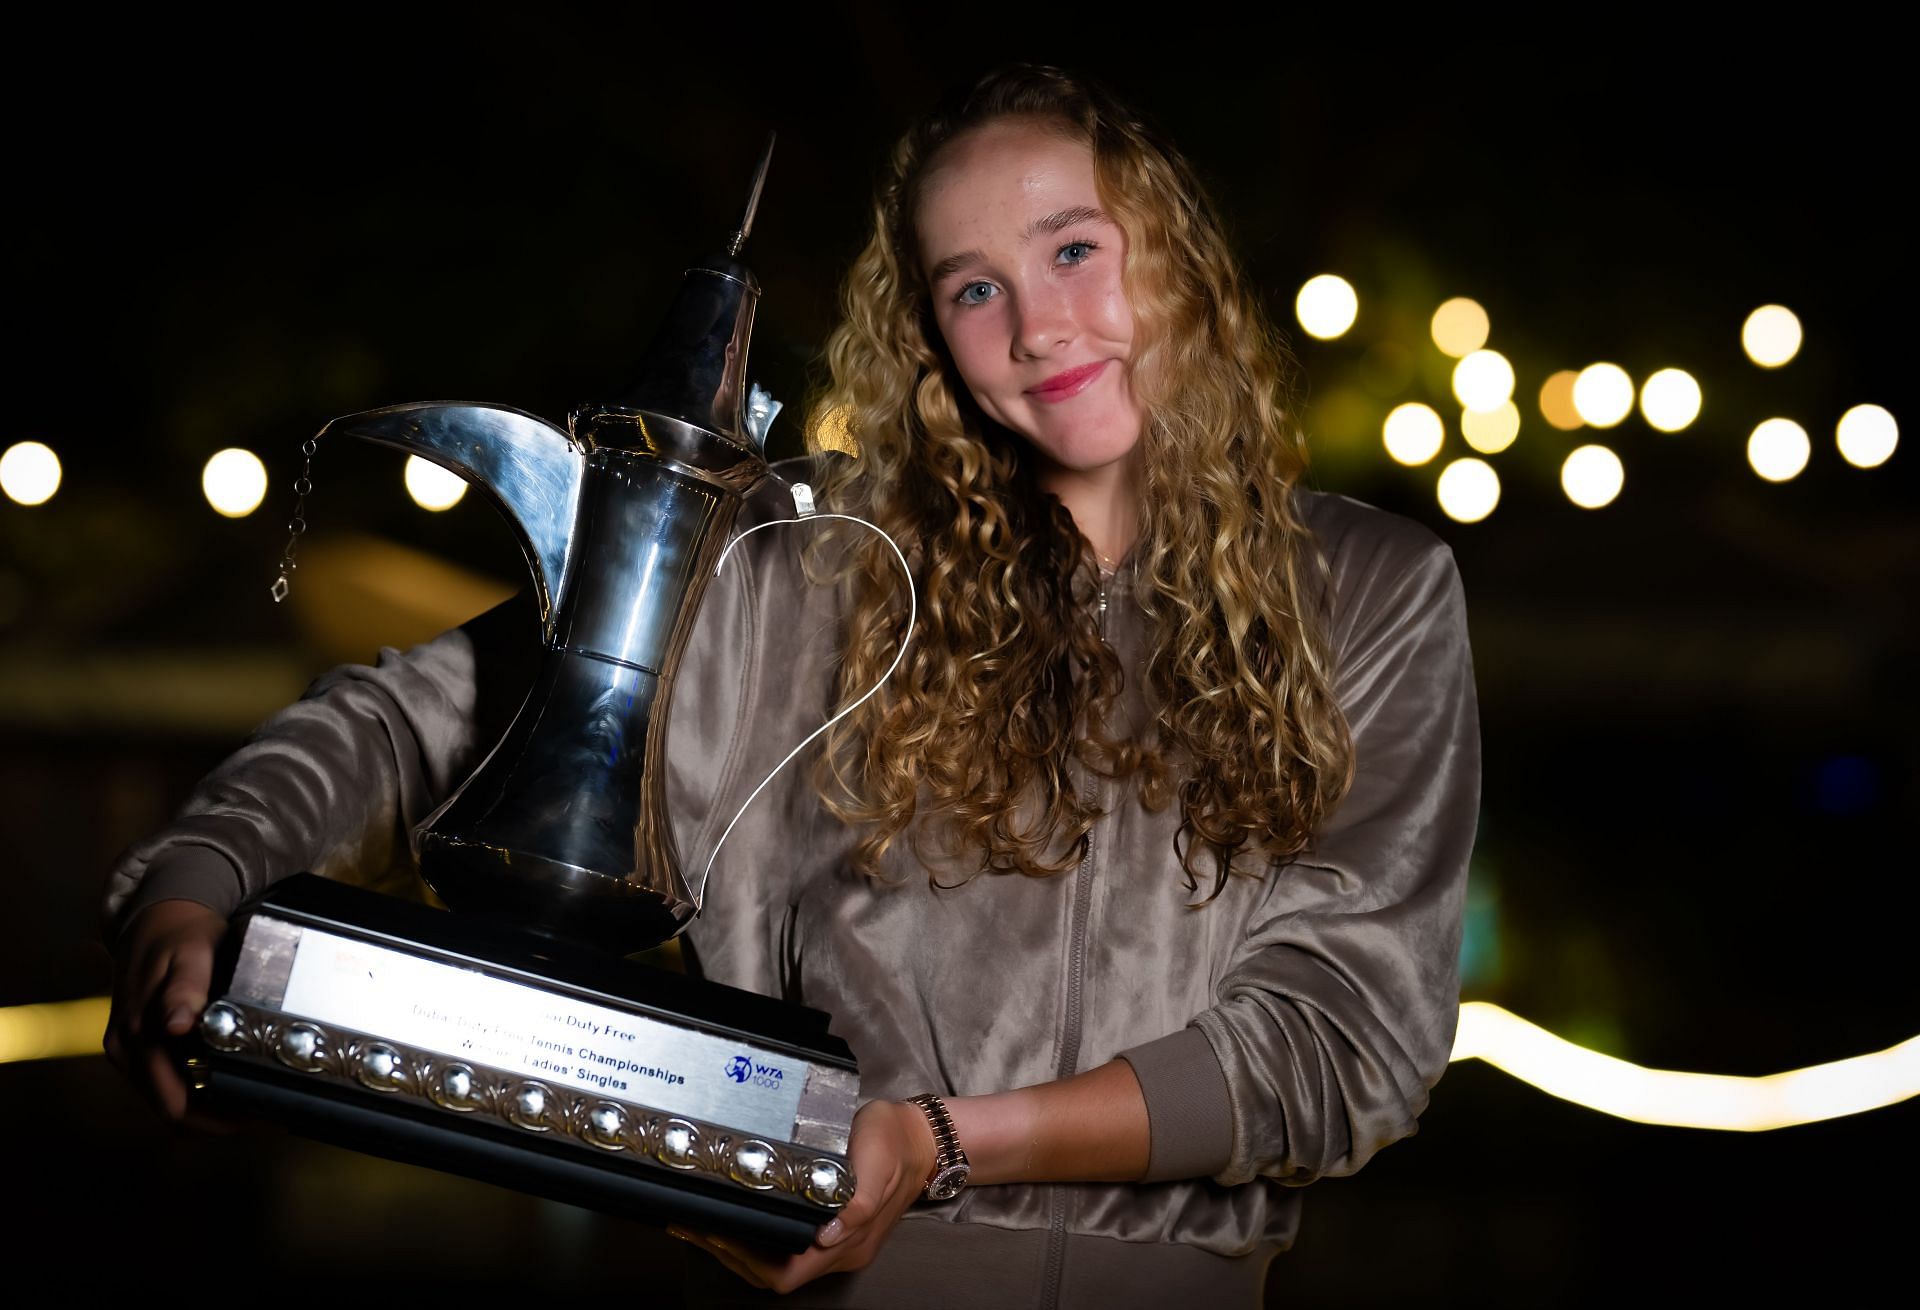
(509, 1039)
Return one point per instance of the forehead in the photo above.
(994, 179)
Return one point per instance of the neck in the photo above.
(1104, 502)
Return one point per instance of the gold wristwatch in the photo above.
(950, 1167)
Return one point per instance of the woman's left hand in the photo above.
(891, 1150)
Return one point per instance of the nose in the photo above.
(1043, 322)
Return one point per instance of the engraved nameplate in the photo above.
(465, 1013)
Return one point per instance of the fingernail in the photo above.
(830, 1233)
(180, 1019)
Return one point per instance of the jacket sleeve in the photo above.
(1335, 1014)
(336, 782)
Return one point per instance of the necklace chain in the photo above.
(298, 523)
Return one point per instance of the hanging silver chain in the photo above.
(298, 523)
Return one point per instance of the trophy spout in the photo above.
(529, 468)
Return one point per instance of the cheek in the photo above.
(1103, 309)
(970, 340)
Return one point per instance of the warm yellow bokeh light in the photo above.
(1592, 476)
(1670, 399)
(1490, 431)
(1771, 335)
(433, 487)
(1413, 432)
(1866, 436)
(29, 473)
(1778, 449)
(1483, 380)
(53, 1030)
(834, 432)
(1326, 306)
(58, 1030)
(1556, 400)
(234, 482)
(1468, 490)
(1678, 1098)
(1460, 327)
(1602, 395)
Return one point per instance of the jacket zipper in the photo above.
(1070, 1038)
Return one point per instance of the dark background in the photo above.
(1697, 702)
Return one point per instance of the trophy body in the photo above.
(509, 1040)
(564, 827)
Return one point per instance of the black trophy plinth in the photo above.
(467, 1044)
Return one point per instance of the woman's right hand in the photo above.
(162, 973)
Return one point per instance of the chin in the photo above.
(1082, 456)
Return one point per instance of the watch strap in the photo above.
(950, 1164)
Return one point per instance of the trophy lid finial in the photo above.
(695, 370)
(753, 200)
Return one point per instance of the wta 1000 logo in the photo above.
(743, 1069)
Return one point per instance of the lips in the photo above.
(1071, 382)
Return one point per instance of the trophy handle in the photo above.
(529, 468)
(804, 513)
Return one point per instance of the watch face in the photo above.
(947, 1183)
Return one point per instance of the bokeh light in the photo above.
(1732, 1102)
(1490, 431)
(1468, 490)
(29, 473)
(1483, 380)
(1413, 432)
(53, 1030)
(1326, 306)
(1771, 335)
(1460, 327)
(234, 482)
(1556, 400)
(1778, 449)
(1670, 399)
(834, 431)
(1602, 395)
(1592, 476)
(433, 487)
(1867, 435)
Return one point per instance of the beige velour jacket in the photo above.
(1283, 1033)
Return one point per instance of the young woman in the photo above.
(1149, 862)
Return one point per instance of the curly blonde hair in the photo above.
(1008, 679)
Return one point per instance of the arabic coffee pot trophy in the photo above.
(510, 1040)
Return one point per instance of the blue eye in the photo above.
(965, 296)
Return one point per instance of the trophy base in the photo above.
(502, 1158)
(528, 1061)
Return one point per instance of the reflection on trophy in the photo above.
(509, 1040)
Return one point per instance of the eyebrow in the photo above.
(1054, 223)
